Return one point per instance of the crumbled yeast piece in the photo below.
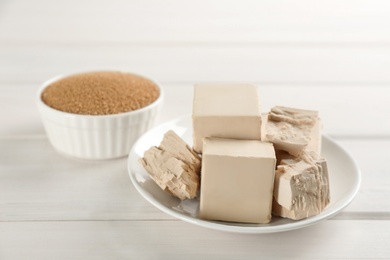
(293, 130)
(301, 186)
(174, 166)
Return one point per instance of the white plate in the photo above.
(343, 173)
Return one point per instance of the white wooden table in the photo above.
(332, 56)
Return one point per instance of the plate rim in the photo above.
(341, 204)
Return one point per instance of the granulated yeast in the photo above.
(100, 93)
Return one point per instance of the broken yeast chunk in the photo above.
(225, 111)
(293, 130)
(174, 166)
(301, 186)
(237, 180)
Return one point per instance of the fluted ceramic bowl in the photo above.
(95, 137)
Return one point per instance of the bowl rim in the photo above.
(42, 104)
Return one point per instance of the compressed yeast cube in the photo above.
(237, 180)
(225, 111)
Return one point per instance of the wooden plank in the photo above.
(37, 183)
(342, 108)
(353, 111)
(178, 240)
(199, 63)
(193, 21)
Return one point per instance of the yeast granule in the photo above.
(100, 93)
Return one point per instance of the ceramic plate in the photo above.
(344, 178)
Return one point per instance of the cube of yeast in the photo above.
(237, 180)
(225, 111)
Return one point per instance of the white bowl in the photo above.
(95, 137)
